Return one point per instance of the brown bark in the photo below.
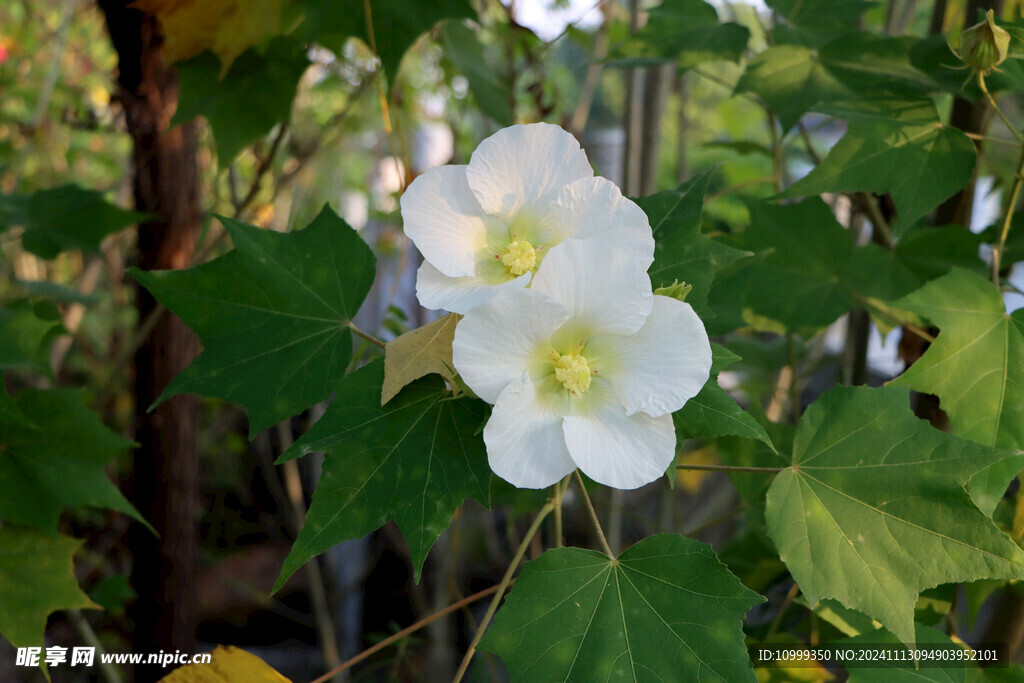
(165, 485)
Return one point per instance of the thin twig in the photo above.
(505, 581)
(366, 335)
(995, 107)
(997, 250)
(593, 515)
(107, 670)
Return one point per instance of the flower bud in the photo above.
(677, 290)
(984, 46)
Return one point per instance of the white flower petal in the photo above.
(615, 449)
(663, 365)
(594, 208)
(496, 342)
(604, 289)
(437, 291)
(525, 167)
(444, 219)
(525, 444)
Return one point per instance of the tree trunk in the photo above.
(165, 485)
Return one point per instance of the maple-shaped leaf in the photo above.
(713, 412)
(419, 352)
(274, 315)
(873, 509)
(976, 364)
(53, 453)
(897, 146)
(224, 27)
(666, 609)
(37, 578)
(414, 460)
(681, 251)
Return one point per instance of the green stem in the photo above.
(558, 493)
(992, 102)
(523, 545)
(366, 335)
(730, 468)
(593, 516)
(997, 251)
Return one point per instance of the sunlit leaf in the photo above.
(666, 609)
(686, 32)
(414, 460)
(873, 508)
(273, 315)
(36, 579)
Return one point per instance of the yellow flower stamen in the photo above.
(573, 371)
(519, 257)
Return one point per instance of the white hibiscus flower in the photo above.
(489, 225)
(584, 370)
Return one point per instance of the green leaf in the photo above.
(800, 282)
(396, 24)
(873, 509)
(464, 49)
(905, 671)
(821, 19)
(893, 146)
(790, 80)
(929, 252)
(686, 32)
(682, 251)
(25, 337)
(666, 609)
(57, 460)
(37, 578)
(976, 365)
(64, 218)
(273, 315)
(414, 460)
(713, 412)
(253, 96)
(54, 291)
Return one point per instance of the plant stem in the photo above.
(593, 515)
(995, 107)
(730, 468)
(997, 251)
(783, 608)
(366, 335)
(107, 670)
(558, 493)
(455, 606)
(505, 581)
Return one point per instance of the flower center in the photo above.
(573, 371)
(519, 257)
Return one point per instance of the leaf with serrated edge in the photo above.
(682, 252)
(417, 353)
(666, 609)
(414, 460)
(58, 460)
(713, 412)
(894, 146)
(273, 315)
(37, 578)
(976, 364)
(873, 509)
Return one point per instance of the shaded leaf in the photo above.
(396, 24)
(414, 460)
(893, 146)
(419, 352)
(37, 578)
(665, 609)
(273, 315)
(713, 412)
(25, 336)
(873, 509)
(905, 671)
(682, 251)
(227, 665)
(819, 20)
(976, 365)
(65, 218)
(253, 96)
(58, 460)
(464, 49)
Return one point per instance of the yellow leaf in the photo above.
(691, 480)
(229, 665)
(418, 353)
(225, 27)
